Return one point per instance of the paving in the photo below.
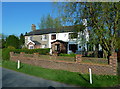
(12, 78)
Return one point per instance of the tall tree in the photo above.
(102, 20)
(12, 40)
(49, 22)
(3, 40)
(22, 39)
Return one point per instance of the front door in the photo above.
(57, 47)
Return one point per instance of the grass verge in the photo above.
(67, 77)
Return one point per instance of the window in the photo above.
(31, 47)
(57, 47)
(73, 47)
(53, 37)
(44, 37)
(29, 38)
(44, 46)
(73, 35)
(65, 35)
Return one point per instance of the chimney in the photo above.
(33, 27)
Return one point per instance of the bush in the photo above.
(6, 52)
(11, 47)
(31, 51)
(69, 55)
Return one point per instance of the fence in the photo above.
(73, 66)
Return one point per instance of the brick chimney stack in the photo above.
(33, 27)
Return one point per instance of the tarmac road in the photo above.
(12, 78)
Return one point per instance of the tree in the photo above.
(13, 41)
(102, 21)
(49, 22)
(2, 40)
(22, 40)
(26, 33)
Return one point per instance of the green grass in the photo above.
(67, 77)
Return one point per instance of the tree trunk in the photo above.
(96, 50)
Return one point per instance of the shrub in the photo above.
(6, 52)
(31, 51)
(11, 47)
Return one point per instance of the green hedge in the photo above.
(6, 52)
(68, 55)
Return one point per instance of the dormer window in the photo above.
(53, 36)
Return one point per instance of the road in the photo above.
(12, 78)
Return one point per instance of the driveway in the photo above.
(12, 78)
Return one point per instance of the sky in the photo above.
(17, 17)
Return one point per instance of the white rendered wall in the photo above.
(59, 36)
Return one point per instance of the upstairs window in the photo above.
(30, 38)
(73, 35)
(53, 37)
(44, 37)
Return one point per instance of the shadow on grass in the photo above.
(84, 78)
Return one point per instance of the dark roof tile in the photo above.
(51, 30)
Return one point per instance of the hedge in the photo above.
(6, 52)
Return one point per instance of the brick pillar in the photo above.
(113, 62)
(11, 54)
(22, 53)
(78, 58)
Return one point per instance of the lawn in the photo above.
(73, 78)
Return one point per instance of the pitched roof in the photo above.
(59, 41)
(37, 43)
(51, 30)
(34, 42)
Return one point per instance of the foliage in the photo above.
(2, 40)
(11, 47)
(6, 52)
(31, 51)
(49, 22)
(69, 55)
(22, 40)
(102, 20)
(67, 77)
(12, 40)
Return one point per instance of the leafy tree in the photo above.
(2, 40)
(102, 21)
(22, 40)
(25, 33)
(12, 40)
(49, 22)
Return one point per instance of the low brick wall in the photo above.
(99, 69)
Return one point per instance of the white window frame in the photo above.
(31, 46)
(44, 46)
(44, 38)
(55, 36)
(29, 38)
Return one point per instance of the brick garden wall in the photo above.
(99, 69)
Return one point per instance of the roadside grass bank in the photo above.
(73, 78)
